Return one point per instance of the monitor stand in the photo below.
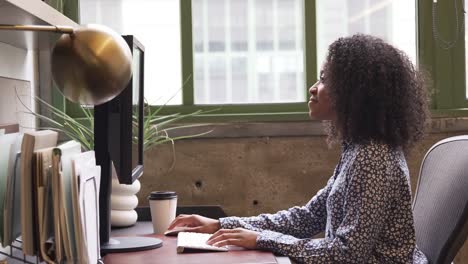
(103, 159)
(115, 244)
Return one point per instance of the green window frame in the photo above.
(229, 113)
(244, 112)
(69, 8)
(445, 66)
(446, 69)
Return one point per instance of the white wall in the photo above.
(21, 66)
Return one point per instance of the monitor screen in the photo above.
(136, 102)
(125, 121)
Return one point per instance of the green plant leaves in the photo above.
(155, 128)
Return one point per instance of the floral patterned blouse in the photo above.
(365, 211)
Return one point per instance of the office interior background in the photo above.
(251, 62)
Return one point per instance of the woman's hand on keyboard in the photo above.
(234, 237)
(195, 223)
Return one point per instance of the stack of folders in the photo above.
(49, 195)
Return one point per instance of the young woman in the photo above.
(377, 106)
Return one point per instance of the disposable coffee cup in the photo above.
(163, 206)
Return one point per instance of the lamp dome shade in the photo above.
(92, 65)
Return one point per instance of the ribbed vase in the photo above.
(123, 203)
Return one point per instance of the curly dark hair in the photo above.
(376, 92)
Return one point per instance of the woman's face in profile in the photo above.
(320, 107)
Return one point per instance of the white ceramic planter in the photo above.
(123, 203)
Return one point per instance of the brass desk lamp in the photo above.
(90, 65)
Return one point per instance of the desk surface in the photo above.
(168, 254)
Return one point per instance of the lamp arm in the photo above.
(57, 29)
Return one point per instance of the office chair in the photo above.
(440, 206)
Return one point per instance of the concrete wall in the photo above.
(252, 175)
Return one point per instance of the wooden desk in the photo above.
(168, 254)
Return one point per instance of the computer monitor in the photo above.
(126, 121)
(118, 140)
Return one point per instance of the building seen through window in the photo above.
(392, 20)
(248, 51)
(245, 51)
(156, 24)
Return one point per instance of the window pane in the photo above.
(287, 24)
(288, 84)
(265, 78)
(392, 20)
(197, 25)
(149, 21)
(239, 80)
(239, 28)
(217, 80)
(199, 80)
(216, 26)
(254, 52)
(264, 24)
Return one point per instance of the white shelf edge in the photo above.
(43, 11)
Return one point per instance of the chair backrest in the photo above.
(440, 206)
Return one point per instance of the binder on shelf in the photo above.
(90, 179)
(11, 209)
(43, 161)
(85, 182)
(80, 162)
(66, 152)
(56, 204)
(31, 142)
(50, 196)
(7, 142)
